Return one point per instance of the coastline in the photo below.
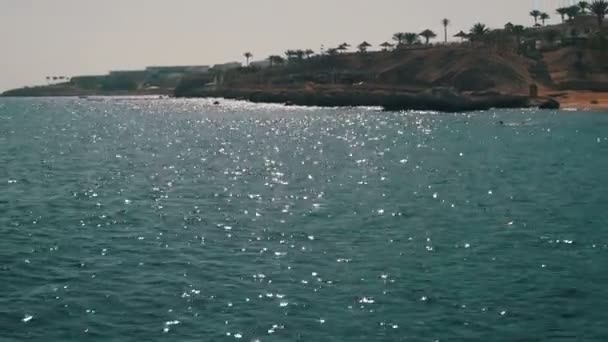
(50, 91)
(581, 100)
(435, 99)
(439, 99)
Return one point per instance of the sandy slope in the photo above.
(582, 100)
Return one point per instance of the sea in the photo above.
(144, 219)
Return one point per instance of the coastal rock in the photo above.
(448, 100)
(544, 103)
(436, 99)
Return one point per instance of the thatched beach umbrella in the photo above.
(461, 35)
(363, 46)
(386, 46)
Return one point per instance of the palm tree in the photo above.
(386, 46)
(275, 60)
(445, 22)
(308, 53)
(544, 16)
(572, 12)
(399, 37)
(300, 54)
(562, 11)
(428, 35)
(479, 30)
(599, 8)
(410, 38)
(518, 31)
(291, 55)
(363, 47)
(332, 52)
(248, 56)
(535, 14)
(584, 6)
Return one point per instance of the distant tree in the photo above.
(308, 53)
(386, 46)
(562, 11)
(509, 27)
(363, 46)
(518, 31)
(572, 12)
(276, 60)
(410, 38)
(295, 55)
(535, 14)
(445, 22)
(544, 16)
(599, 8)
(332, 52)
(478, 31)
(248, 56)
(584, 6)
(299, 54)
(291, 55)
(399, 37)
(428, 35)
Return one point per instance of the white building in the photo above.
(178, 69)
(202, 69)
(263, 64)
(227, 66)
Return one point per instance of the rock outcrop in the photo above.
(436, 99)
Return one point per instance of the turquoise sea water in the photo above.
(175, 220)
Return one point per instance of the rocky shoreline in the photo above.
(67, 91)
(436, 99)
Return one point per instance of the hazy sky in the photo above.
(75, 37)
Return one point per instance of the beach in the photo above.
(581, 100)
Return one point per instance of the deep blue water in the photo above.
(174, 220)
